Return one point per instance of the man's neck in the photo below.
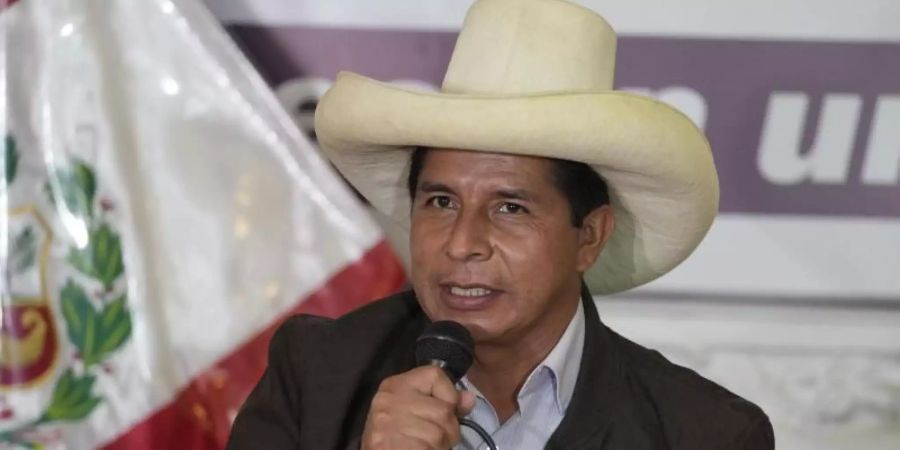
(500, 370)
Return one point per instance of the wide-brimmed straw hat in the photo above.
(535, 77)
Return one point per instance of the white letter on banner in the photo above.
(828, 159)
(299, 96)
(882, 163)
(688, 101)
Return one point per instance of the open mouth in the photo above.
(468, 297)
(470, 292)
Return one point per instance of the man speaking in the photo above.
(527, 184)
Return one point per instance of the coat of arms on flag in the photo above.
(159, 216)
(47, 380)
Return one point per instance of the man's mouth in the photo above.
(470, 292)
(468, 297)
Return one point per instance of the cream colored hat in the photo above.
(535, 77)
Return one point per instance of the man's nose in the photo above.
(468, 239)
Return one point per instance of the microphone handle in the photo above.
(481, 432)
(466, 422)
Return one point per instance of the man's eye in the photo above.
(440, 201)
(512, 208)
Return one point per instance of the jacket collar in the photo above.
(598, 388)
(601, 401)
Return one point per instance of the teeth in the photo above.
(474, 292)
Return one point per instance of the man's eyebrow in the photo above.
(430, 186)
(514, 194)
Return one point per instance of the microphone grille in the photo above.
(448, 342)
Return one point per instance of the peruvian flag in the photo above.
(160, 215)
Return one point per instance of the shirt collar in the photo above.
(564, 360)
(563, 363)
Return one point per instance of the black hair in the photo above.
(581, 185)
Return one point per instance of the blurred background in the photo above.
(163, 182)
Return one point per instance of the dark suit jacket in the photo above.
(323, 373)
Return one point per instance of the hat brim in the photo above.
(658, 165)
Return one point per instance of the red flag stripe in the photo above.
(200, 416)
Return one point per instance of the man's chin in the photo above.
(482, 321)
(482, 328)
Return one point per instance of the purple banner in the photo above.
(796, 127)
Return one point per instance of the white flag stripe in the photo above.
(227, 215)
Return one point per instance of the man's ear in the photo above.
(595, 230)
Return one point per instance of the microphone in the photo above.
(448, 345)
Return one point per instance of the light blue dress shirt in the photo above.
(543, 399)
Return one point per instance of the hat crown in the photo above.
(531, 46)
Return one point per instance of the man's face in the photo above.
(493, 246)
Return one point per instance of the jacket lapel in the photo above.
(392, 353)
(599, 389)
